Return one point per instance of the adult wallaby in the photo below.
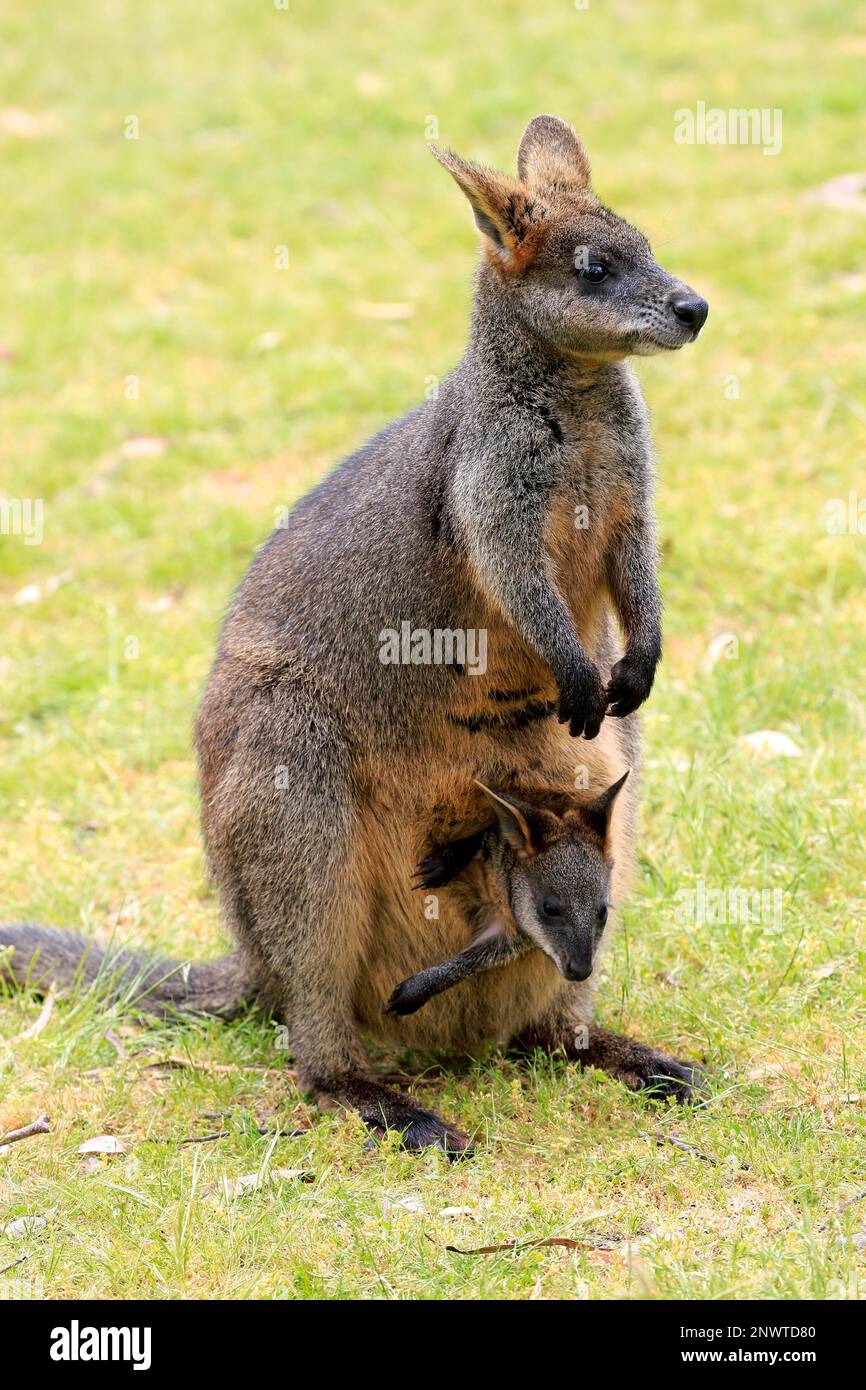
(539, 877)
(515, 505)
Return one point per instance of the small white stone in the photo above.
(769, 743)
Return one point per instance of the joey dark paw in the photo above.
(629, 686)
(407, 998)
(582, 703)
(435, 869)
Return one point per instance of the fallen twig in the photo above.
(40, 1126)
(661, 1138)
(564, 1241)
(14, 1264)
(842, 1206)
(591, 1242)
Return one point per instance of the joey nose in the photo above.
(574, 969)
(691, 310)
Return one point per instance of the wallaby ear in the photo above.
(597, 813)
(521, 825)
(551, 155)
(500, 206)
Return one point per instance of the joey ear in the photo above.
(521, 825)
(597, 813)
(551, 155)
(500, 206)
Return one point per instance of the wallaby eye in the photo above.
(595, 272)
(551, 907)
(602, 915)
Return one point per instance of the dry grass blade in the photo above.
(213, 1068)
(44, 1015)
(117, 1045)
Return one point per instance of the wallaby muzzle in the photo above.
(575, 967)
(690, 310)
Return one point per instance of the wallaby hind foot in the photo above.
(382, 1109)
(644, 1068)
(637, 1066)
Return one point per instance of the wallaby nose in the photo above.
(691, 310)
(574, 969)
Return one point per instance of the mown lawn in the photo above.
(167, 388)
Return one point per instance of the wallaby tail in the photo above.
(44, 956)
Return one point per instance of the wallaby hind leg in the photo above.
(306, 906)
(633, 1063)
(329, 1058)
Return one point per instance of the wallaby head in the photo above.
(580, 278)
(557, 871)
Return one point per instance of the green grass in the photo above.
(155, 259)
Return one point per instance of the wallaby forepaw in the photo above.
(582, 703)
(629, 686)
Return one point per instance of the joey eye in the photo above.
(594, 273)
(551, 907)
(602, 914)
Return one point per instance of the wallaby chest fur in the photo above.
(383, 541)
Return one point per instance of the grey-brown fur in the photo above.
(42, 957)
(324, 772)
